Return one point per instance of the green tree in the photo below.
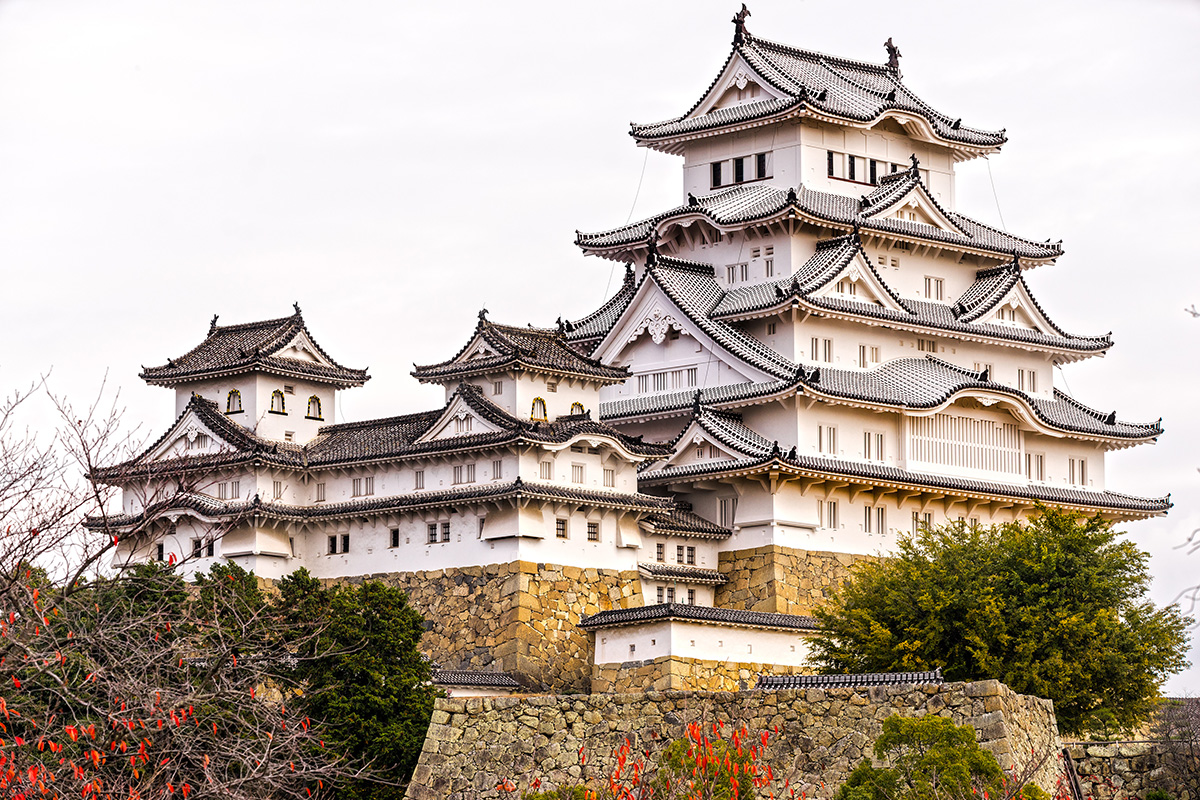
(1054, 606)
(930, 758)
(363, 675)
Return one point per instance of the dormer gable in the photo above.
(903, 196)
(464, 415)
(713, 435)
(190, 436)
(739, 83)
(858, 282)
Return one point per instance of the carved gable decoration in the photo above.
(658, 323)
(459, 419)
(858, 283)
(188, 438)
(916, 206)
(301, 348)
(738, 84)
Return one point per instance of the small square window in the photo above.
(445, 531)
(289, 389)
(610, 478)
(593, 531)
(289, 436)
(432, 535)
(560, 528)
(419, 479)
(332, 545)
(395, 537)
(345, 543)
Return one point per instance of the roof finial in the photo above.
(915, 162)
(739, 25)
(483, 312)
(297, 307)
(212, 326)
(893, 56)
(562, 328)
(628, 272)
(696, 403)
(692, 201)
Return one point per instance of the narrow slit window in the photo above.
(716, 174)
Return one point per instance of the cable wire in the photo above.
(995, 196)
(632, 207)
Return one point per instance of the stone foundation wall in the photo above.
(474, 744)
(774, 578)
(676, 673)
(1111, 770)
(520, 617)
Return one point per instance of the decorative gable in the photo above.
(739, 83)
(458, 419)
(858, 283)
(915, 205)
(189, 437)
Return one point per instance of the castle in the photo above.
(812, 352)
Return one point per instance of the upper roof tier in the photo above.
(761, 203)
(499, 348)
(277, 346)
(764, 82)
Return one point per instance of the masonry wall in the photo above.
(676, 673)
(474, 744)
(1109, 770)
(521, 617)
(774, 578)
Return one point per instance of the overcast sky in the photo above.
(394, 166)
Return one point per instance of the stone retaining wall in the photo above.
(676, 673)
(474, 744)
(1109, 770)
(520, 617)
(774, 578)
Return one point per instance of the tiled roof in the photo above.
(597, 324)
(512, 490)
(643, 405)
(761, 201)
(678, 611)
(252, 346)
(873, 472)
(474, 678)
(729, 430)
(682, 521)
(769, 682)
(836, 87)
(694, 290)
(680, 572)
(534, 349)
(833, 255)
(378, 439)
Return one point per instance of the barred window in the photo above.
(593, 531)
(560, 528)
(432, 533)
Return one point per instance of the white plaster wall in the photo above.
(698, 640)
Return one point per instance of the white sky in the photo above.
(394, 167)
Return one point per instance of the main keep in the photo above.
(812, 352)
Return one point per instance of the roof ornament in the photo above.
(893, 56)
(297, 307)
(791, 454)
(985, 374)
(562, 328)
(518, 483)
(739, 25)
(483, 312)
(956, 124)
(855, 235)
(775, 451)
(915, 162)
(652, 248)
(628, 272)
(692, 201)
(890, 96)
(212, 326)
(863, 202)
(1111, 419)
(696, 403)
(791, 195)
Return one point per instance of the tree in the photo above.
(930, 758)
(363, 674)
(1054, 606)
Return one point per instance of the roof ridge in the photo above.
(368, 423)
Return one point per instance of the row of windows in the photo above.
(666, 594)
(741, 169)
(667, 380)
(562, 529)
(861, 169)
(578, 472)
(538, 412)
(684, 554)
(233, 403)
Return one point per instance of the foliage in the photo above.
(561, 793)
(931, 757)
(1177, 726)
(363, 675)
(1054, 607)
(1158, 794)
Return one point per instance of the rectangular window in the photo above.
(829, 162)
(828, 511)
(1078, 471)
(470, 473)
(482, 522)
(394, 541)
(660, 594)
(198, 442)
(546, 470)
(727, 511)
(197, 548)
(445, 531)
(345, 543)
(846, 287)
(643, 384)
(593, 531)
(691, 597)
(209, 549)
(744, 272)
(463, 425)
(332, 545)
(235, 489)
(278, 489)
(867, 355)
(716, 174)
(419, 479)
(769, 266)
(760, 166)
(660, 381)
(755, 252)
(560, 528)
(498, 387)
(458, 474)
(920, 521)
(497, 469)
(822, 350)
(369, 485)
(881, 520)
(610, 478)
(873, 446)
(222, 491)
(432, 529)
(660, 552)
(874, 171)
(739, 170)
(356, 487)
(935, 289)
(1027, 380)
(158, 552)
(827, 440)
(679, 554)
(577, 473)
(927, 345)
(670, 594)
(289, 436)
(771, 328)
(691, 555)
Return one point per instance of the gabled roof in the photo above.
(726, 429)
(760, 202)
(597, 324)
(813, 84)
(378, 439)
(688, 613)
(474, 678)
(682, 521)
(679, 572)
(849, 681)
(672, 403)
(497, 348)
(256, 346)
